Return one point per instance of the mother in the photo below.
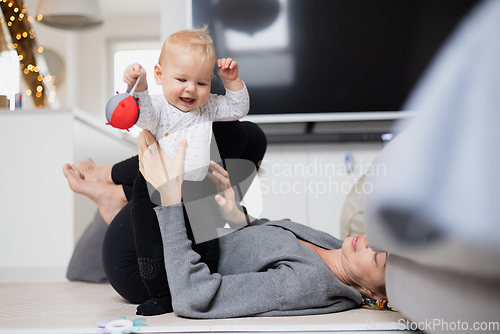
(269, 268)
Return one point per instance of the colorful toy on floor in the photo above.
(120, 326)
(122, 110)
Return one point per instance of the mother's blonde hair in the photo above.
(376, 304)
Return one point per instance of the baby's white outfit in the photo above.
(169, 125)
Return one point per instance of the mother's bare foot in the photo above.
(91, 172)
(109, 198)
(87, 166)
(75, 178)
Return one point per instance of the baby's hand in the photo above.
(228, 69)
(131, 74)
(228, 72)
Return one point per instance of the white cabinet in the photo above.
(39, 214)
(308, 183)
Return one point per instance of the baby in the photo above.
(187, 109)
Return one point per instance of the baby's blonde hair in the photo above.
(196, 40)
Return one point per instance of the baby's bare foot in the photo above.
(109, 198)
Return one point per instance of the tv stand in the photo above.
(328, 127)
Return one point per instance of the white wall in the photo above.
(175, 15)
(94, 85)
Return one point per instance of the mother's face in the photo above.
(364, 267)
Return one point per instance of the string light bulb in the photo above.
(18, 21)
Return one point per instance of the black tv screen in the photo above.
(324, 56)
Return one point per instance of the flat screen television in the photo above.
(328, 56)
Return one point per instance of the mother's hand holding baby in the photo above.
(163, 173)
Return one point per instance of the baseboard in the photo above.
(33, 275)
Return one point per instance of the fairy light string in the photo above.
(33, 67)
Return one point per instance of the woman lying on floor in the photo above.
(265, 269)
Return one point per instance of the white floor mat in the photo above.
(72, 307)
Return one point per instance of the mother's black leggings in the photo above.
(132, 249)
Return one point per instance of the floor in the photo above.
(73, 307)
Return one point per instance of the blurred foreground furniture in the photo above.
(435, 209)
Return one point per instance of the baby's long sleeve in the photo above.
(231, 106)
(149, 112)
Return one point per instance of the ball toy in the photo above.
(122, 110)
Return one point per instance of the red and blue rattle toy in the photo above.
(122, 110)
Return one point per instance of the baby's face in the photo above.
(186, 79)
